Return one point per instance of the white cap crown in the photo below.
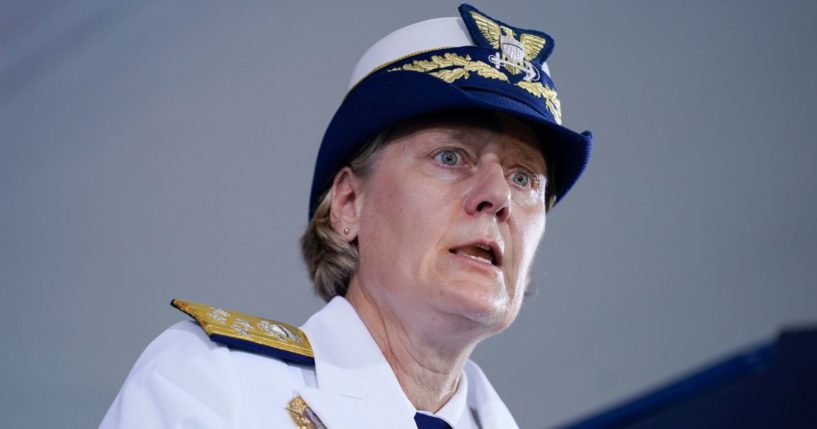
(424, 36)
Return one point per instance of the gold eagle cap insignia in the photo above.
(493, 32)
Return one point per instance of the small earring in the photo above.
(345, 231)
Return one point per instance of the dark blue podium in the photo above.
(773, 385)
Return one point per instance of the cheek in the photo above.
(534, 232)
(530, 233)
(397, 214)
(411, 199)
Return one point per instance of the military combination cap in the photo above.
(470, 62)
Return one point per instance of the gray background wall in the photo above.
(151, 150)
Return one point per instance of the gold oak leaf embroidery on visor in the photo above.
(549, 94)
(451, 67)
(454, 67)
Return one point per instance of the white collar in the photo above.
(456, 409)
(356, 386)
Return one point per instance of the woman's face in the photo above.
(449, 221)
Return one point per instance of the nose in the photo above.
(490, 193)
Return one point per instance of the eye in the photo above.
(522, 178)
(448, 157)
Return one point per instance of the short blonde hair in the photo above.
(330, 259)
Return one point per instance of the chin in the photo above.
(491, 311)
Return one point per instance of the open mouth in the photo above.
(482, 253)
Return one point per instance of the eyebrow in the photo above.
(520, 149)
(535, 156)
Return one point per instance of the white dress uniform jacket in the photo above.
(185, 380)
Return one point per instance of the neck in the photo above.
(427, 367)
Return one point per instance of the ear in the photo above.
(347, 201)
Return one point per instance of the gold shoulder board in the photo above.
(250, 333)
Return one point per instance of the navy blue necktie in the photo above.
(425, 421)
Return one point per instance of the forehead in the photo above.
(475, 127)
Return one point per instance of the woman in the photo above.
(428, 202)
